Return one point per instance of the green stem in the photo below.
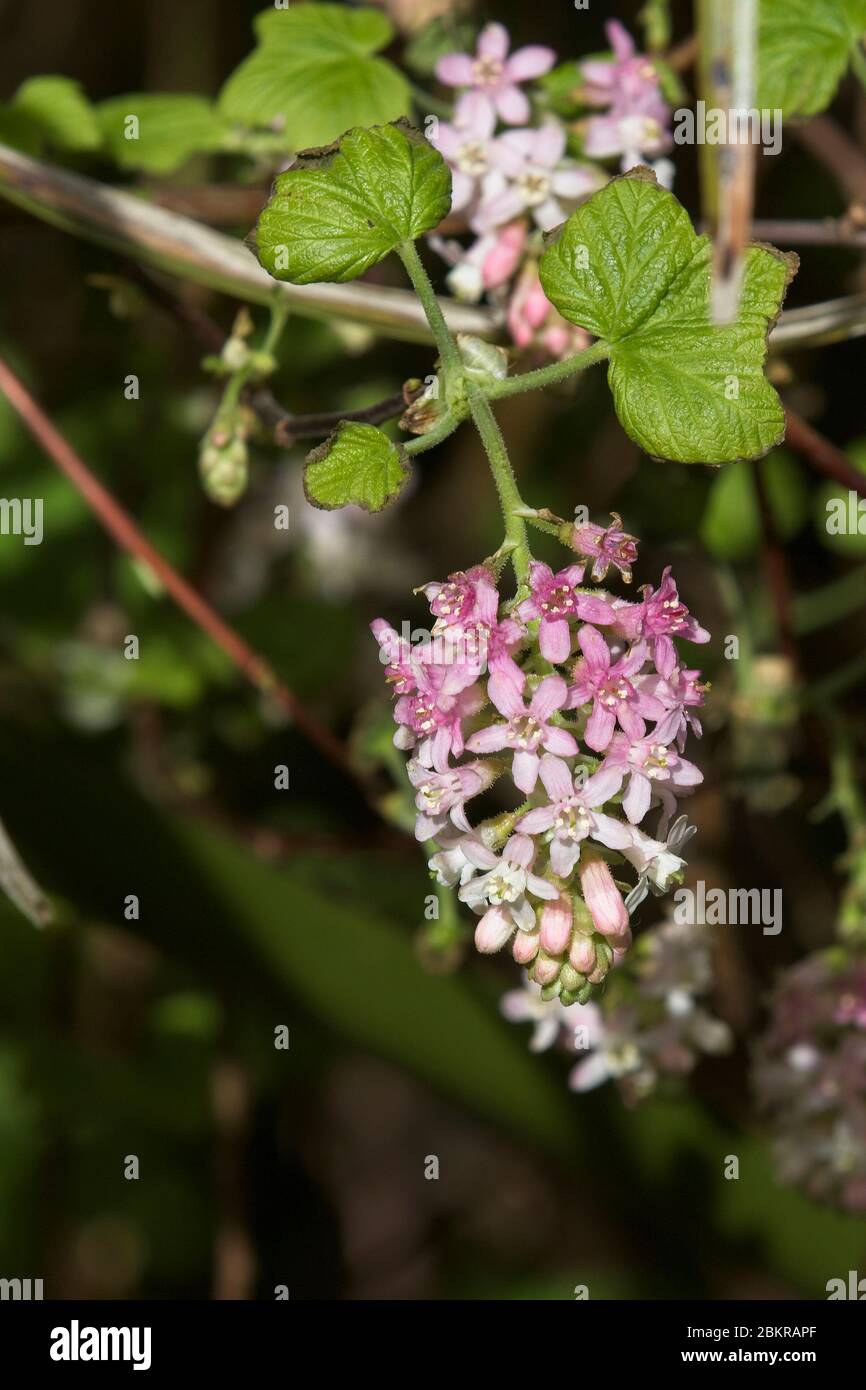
(548, 376)
(503, 476)
(441, 430)
(439, 328)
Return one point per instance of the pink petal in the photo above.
(589, 1073)
(611, 832)
(494, 42)
(519, 850)
(501, 208)
(512, 105)
(537, 821)
(601, 786)
(556, 778)
(636, 801)
(456, 70)
(563, 857)
(549, 145)
(599, 728)
(559, 741)
(595, 649)
(550, 696)
(489, 740)
(532, 61)
(524, 770)
(505, 696)
(555, 640)
(478, 853)
(665, 655)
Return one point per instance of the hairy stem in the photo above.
(433, 312)
(550, 375)
(506, 485)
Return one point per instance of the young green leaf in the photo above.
(338, 211)
(357, 466)
(55, 111)
(629, 267)
(315, 74)
(159, 133)
(804, 48)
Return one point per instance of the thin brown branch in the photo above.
(831, 231)
(683, 55)
(821, 454)
(120, 525)
(776, 573)
(839, 154)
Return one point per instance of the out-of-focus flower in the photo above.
(533, 178)
(809, 1076)
(495, 74)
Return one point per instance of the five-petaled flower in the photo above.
(526, 728)
(495, 74)
(500, 891)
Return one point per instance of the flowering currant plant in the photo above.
(515, 212)
(542, 679)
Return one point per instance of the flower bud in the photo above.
(582, 954)
(603, 898)
(525, 947)
(556, 925)
(546, 969)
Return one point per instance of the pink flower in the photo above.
(555, 599)
(604, 901)
(442, 795)
(570, 816)
(616, 698)
(489, 262)
(606, 546)
(636, 121)
(466, 145)
(465, 609)
(680, 694)
(431, 720)
(532, 177)
(495, 75)
(500, 892)
(654, 770)
(658, 618)
(397, 652)
(526, 728)
(466, 600)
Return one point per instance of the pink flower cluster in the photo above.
(635, 123)
(512, 185)
(579, 699)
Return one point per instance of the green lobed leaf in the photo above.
(804, 48)
(357, 466)
(171, 129)
(338, 211)
(629, 267)
(315, 75)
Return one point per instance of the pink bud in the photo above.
(603, 898)
(525, 947)
(582, 954)
(556, 925)
(503, 258)
(545, 970)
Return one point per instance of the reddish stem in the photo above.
(123, 529)
(823, 455)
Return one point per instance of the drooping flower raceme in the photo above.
(557, 698)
